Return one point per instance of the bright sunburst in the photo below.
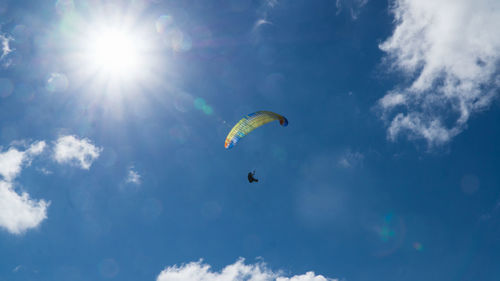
(114, 53)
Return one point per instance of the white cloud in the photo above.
(36, 148)
(419, 125)
(12, 160)
(450, 50)
(5, 42)
(10, 163)
(6, 50)
(309, 276)
(19, 213)
(133, 176)
(260, 22)
(69, 149)
(392, 99)
(239, 271)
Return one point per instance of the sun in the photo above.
(111, 57)
(114, 53)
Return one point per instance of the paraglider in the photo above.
(251, 177)
(250, 123)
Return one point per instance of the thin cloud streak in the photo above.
(353, 6)
(350, 159)
(261, 22)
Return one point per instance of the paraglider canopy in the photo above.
(250, 123)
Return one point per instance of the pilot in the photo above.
(251, 177)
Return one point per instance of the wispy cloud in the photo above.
(18, 212)
(353, 6)
(198, 271)
(133, 176)
(17, 268)
(80, 152)
(338, 4)
(350, 159)
(272, 3)
(6, 50)
(450, 50)
(5, 42)
(260, 22)
(44, 171)
(262, 19)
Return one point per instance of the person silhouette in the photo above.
(251, 177)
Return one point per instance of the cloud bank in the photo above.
(239, 271)
(450, 51)
(80, 152)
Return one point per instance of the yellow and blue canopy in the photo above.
(250, 123)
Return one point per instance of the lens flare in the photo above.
(163, 22)
(200, 104)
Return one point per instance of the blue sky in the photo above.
(113, 116)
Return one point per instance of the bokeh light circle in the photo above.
(109, 268)
(64, 6)
(469, 184)
(163, 22)
(57, 82)
(6, 87)
(178, 41)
